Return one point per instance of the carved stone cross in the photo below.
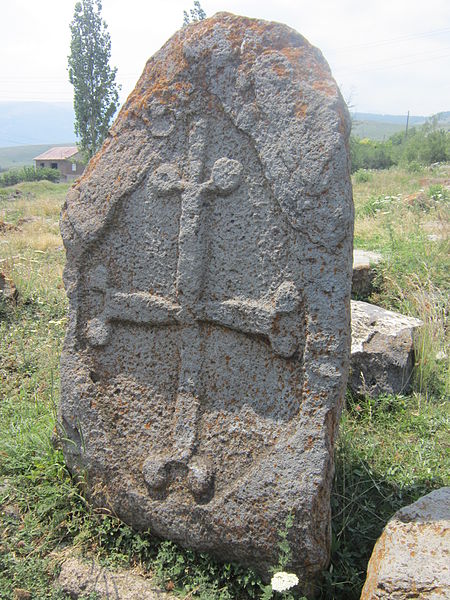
(273, 317)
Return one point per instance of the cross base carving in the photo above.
(159, 473)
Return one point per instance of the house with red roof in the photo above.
(67, 160)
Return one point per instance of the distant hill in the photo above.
(380, 127)
(29, 128)
(18, 156)
(395, 119)
(25, 123)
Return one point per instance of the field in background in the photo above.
(391, 450)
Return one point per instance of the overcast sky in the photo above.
(388, 56)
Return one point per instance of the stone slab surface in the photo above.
(411, 559)
(209, 257)
(79, 578)
(365, 258)
(382, 355)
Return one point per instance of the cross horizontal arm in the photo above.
(248, 316)
(273, 319)
(140, 308)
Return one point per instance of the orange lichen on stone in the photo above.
(301, 108)
(325, 86)
(306, 62)
(280, 69)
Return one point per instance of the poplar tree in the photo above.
(197, 14)
(96, 94)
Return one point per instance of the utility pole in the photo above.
(407, 123)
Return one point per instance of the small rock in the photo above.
(437, 231)
(11, 511)
(79, 579)
(8, 290)
(4, 486)
(6, 227)
(382, 356)
(363, 272)
(412, 556)
(20, 594)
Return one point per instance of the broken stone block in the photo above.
(363, 272)
(382, 357)
(411, 559)
(209, 256)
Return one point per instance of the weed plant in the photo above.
(391, 450)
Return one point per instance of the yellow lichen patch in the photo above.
(280, 69)
(308, 63)
(325, 86)
(300, 110)
(343, 121)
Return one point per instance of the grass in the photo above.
(391, 450)
(408, 223)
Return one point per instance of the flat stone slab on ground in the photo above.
(363, 272)
(209, 257)
(382, 356)
(79, 578)
(411, 559)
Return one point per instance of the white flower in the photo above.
(282, 581)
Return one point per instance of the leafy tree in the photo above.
(423, 145)
(196, 14)
(96, 94)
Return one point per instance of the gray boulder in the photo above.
(411, 559)
(382, 356)
(209, 257)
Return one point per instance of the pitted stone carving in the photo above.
(208, 272)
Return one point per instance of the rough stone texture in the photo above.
(411, 559)
(209, 257)
(382, 357)
(78, 579)
(363, 272)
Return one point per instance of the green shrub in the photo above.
(439, 194)
(376, 204)
(414, 167)
(368, 154)
(362, 176)
(423, 145)
(27, 173)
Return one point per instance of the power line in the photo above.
(393, 63)
(395, 40)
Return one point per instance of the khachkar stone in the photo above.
(209, 260)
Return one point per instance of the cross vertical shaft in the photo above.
(189, 283)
